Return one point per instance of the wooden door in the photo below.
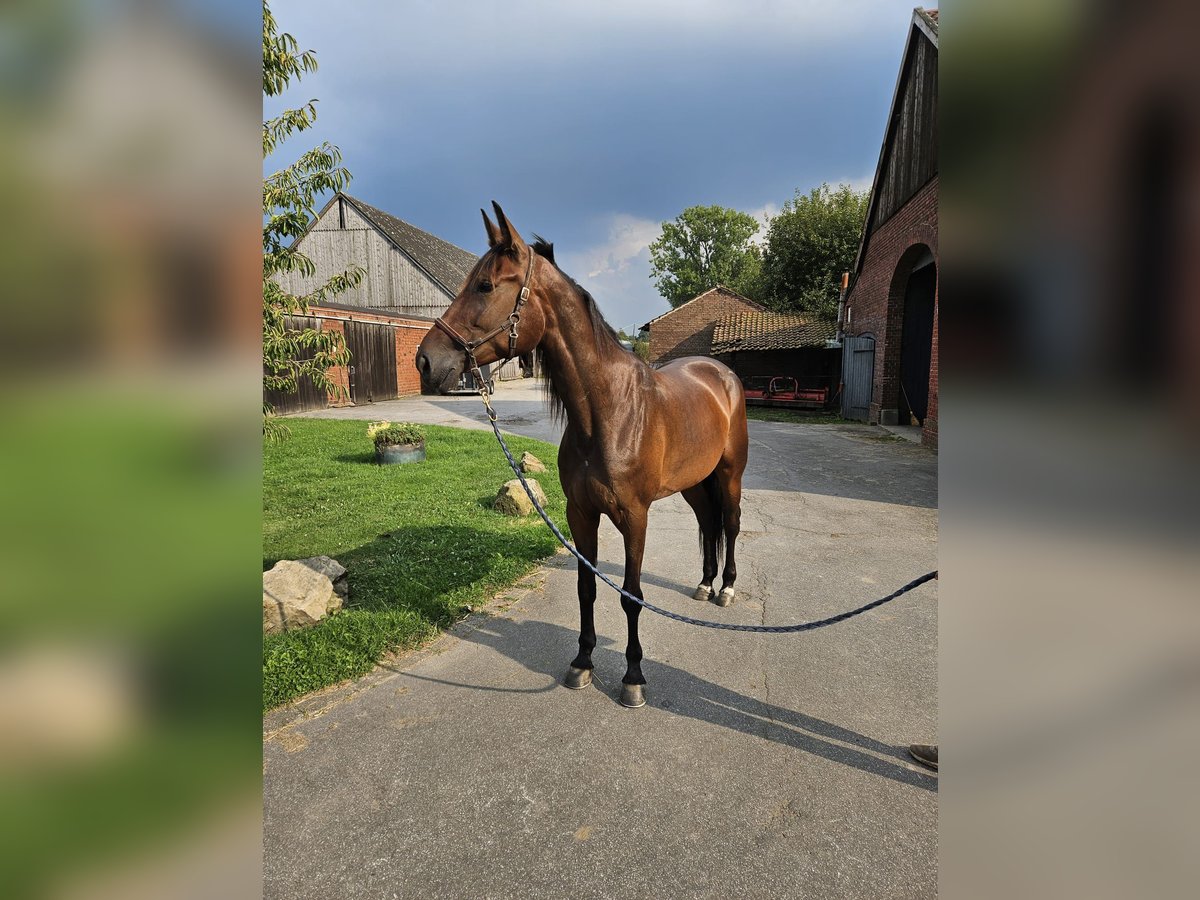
(372, 361)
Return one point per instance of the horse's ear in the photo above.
(493, 234)
(508, 235)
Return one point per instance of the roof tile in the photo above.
(770, 331)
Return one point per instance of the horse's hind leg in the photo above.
(707, 517)
(729, 489)
(585, 527)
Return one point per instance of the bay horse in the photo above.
(634, 434)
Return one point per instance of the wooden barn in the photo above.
(890, 346)
(409, 271)
(688, 329)
(411, 278)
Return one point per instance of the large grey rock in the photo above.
(513, 501)
(530, 463)
(331, 569)
(295, 595)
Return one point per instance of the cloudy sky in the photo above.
(591, 123)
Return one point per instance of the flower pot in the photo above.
(388, 454)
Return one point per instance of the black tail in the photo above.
(716, 522)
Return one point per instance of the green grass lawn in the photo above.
(795, 416)
(420, 540)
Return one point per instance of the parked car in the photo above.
(785, 391)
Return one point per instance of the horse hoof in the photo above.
(725, 597)
(703, 593)
(577, 679)
(633, 696)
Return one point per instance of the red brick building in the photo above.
(892, 298)
(392, 340)
(687, 330)
(383, 352)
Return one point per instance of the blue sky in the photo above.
(591, 123)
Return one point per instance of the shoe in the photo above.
(925, 754)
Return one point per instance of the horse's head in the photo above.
(489, 317)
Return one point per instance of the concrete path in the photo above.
(908, 432)
(763, 766)
(521, 405)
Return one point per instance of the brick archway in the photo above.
(892, 403)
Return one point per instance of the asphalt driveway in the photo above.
(763, 766)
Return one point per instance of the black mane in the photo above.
(602, 331)
(545, 249)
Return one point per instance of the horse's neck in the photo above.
(583, 366)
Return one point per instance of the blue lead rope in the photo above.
(762, 629)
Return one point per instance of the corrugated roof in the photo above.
(446, 264)
(770, 331)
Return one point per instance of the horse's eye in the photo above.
(484, 287)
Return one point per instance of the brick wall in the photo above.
(876, 300)
(408, 336)
(408, 379)
(688, 329)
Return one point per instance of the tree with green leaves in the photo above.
(289, 203)
(810, 244)
(706, 246)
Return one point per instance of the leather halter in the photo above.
(512, 323)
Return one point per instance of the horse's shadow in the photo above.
(617, 573)
(544, 648)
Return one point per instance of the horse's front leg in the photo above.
(633, 528)
(584, 528)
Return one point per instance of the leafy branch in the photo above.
(290, 198)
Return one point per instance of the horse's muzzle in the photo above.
(439, 371)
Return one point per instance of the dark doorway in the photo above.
(916, 343)
(372, 362)
(1146, 265)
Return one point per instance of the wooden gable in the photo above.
(909, 157)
